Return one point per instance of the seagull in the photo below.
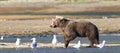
(102, 44)
(2, 37)
(54, 40)
(77, 46)
(34, 43)
(105, 17)
(18, 41)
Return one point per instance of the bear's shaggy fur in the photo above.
(73, 29)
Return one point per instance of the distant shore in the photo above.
(57, 8)
(35, 17)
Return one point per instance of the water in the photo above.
(63, 50)
(110, 38)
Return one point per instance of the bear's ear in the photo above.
(59, 17)
(63, 20)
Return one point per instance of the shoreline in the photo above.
(43, 45)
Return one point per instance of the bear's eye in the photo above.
(54, 22)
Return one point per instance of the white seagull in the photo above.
(77, 46)
(105, 17)
(18, 41)
(102, 44)
(1, 37)
(34, 43)
(54, 40)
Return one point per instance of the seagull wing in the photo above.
(77, 45)
(17, 42)
(34, 45)
(101, 45)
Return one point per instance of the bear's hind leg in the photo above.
(92, 42)
(96, 41)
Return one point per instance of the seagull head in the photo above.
(18, 39)
(79, 42)
(54, 36)
(34, 39)
(103, 42)
(1, 37)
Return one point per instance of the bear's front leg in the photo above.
(66, 43)
(67, 40)
(68, 36)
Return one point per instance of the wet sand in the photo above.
(44, 45)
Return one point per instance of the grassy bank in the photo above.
(85, 0)
(51, 8)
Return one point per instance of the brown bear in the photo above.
(72, 29)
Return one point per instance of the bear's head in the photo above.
(59, 21)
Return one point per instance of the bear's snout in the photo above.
(53, 26)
